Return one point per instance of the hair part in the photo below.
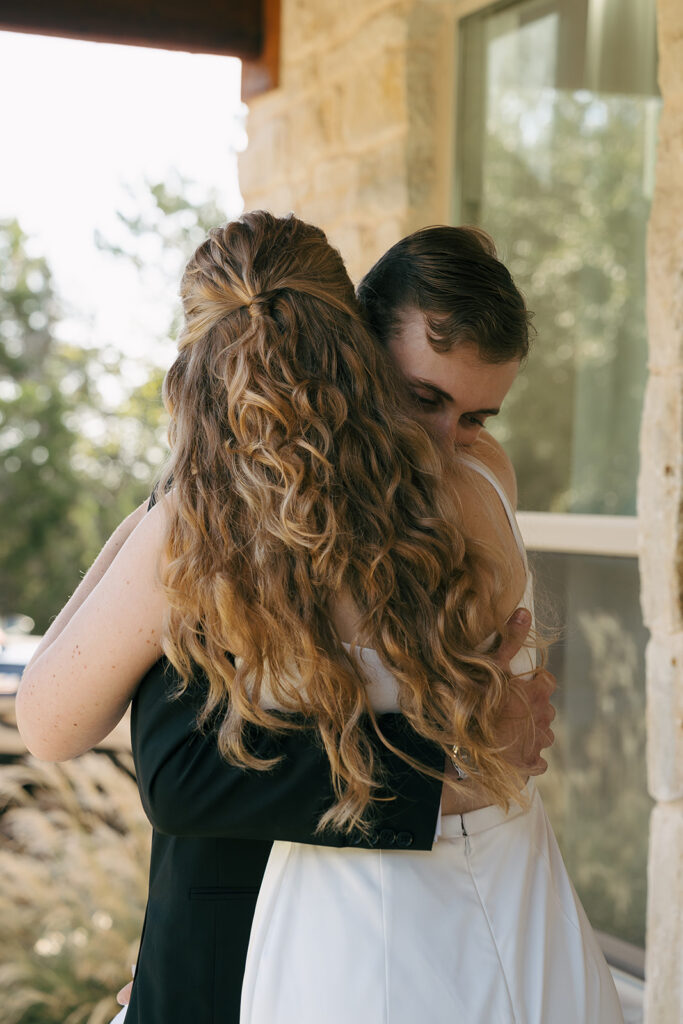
(454, 277)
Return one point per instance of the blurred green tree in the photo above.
(73, 461)
(569, 211)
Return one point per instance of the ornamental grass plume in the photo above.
(74, 852)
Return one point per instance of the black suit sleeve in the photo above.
(188, 789)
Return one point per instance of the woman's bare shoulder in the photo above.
(491, 453)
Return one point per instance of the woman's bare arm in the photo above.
(91, 578)
(78, 685)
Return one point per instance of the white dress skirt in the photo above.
(485, 928)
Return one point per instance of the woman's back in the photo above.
(487, 512)
(481, 468)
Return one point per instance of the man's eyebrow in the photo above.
(449, 398)
(433, 388)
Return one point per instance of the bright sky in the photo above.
(82, 119)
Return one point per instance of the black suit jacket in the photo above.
(213, 829)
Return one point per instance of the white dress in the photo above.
(486, 928)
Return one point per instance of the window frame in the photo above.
(542, 531)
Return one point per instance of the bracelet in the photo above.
(462, 755)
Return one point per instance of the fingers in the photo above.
(539, 768)
(544, 737)
(538, 691)
(517, 628)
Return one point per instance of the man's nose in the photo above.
(462, 435)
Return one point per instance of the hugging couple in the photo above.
(324, 622)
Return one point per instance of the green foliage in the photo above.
(170, 219)
(596, 789)
(73, 461)
(74, 851)
(80, 444)
(569, 212)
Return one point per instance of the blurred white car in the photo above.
(15, 651)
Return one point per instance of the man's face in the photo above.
(455, 392)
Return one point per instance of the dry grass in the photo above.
(74, 852)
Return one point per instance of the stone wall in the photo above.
(661, 522)
(353, 139)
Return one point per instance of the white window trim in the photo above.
(580, 534)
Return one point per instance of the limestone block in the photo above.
(664, 952)
(670, 32)
(279, 199)
(266, 158)
(301, 73)
(374, 99)
(336, 178)
(347, 237)
(664, 661)
(382, 177)
(660, 493)
(328, 102)
(325, 212)
(308, 24)
(665, 245)
(363, 43)
(421, 175)
(421, 70)
(376, 238)
(309, 130)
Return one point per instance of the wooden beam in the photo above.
(248, 29)
(263, 73)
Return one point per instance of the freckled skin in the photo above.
(56, 705)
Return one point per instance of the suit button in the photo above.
(405, 839)
(373, 838)
(356, 839)
(387, 837)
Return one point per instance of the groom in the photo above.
(213, 823)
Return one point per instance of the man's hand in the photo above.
(524, 728)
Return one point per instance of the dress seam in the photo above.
(551, 879)
(541, 853)
(385, 1017)
(468, 858)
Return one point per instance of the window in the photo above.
(558, 111)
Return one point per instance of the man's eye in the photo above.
(424, 401)
(473, 421)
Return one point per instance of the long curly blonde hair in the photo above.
(297, 473)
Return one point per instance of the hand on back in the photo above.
(524, 726)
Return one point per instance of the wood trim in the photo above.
(248, 29)
(263, 73)
(580, 534)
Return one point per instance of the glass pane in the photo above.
(556, 154)
(595, 790)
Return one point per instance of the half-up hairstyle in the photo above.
(298, 474)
